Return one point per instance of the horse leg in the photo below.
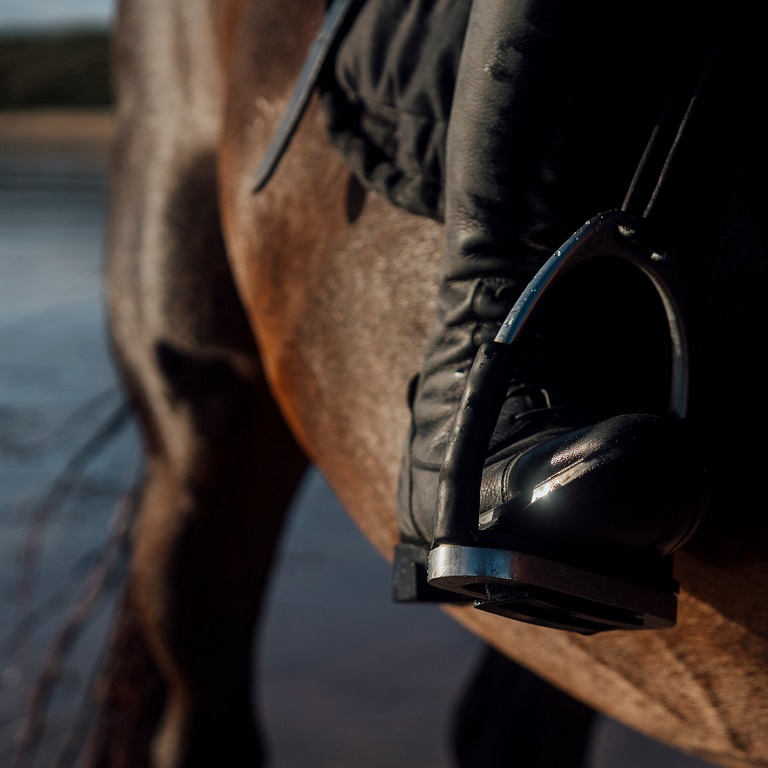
(203, 545)
(221, 469)
(221, 465)
(507, 714)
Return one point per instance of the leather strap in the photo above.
(318, 53)
(673, 121)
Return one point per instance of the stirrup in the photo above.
(470, 564)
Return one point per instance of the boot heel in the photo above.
(409, 578)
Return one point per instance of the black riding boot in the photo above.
(531, 154)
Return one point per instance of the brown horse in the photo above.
(257, 332)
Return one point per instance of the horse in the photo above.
(258, 333)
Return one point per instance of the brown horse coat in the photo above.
(256, 330)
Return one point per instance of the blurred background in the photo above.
(346, 677)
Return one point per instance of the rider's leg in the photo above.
(548, 122)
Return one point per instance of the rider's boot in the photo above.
(503, 203)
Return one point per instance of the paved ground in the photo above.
(346, 677)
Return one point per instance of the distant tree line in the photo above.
(65, 69)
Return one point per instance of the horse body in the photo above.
(258, 331)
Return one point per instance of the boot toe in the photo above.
(630, 484)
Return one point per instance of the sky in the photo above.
(50, 14)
